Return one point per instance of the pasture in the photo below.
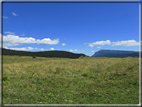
(28, 80)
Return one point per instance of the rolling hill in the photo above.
(51, 54)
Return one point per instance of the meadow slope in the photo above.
(28, 80)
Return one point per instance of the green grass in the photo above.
(28, 80)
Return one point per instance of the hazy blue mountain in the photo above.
(115, 53)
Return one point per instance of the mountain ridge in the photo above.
(115, 53)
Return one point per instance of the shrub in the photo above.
(81, 57)
(85, 74)
(34, 56)
(4, 78)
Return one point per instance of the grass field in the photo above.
(28, 80)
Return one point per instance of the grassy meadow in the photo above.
(28, 80)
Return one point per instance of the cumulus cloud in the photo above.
(71, 50)
(42, 49)
(118, 43)
(13, 40)
(22, 49)
(6, 44)
(52, 49)
(63, 44)
(48, 41)
(14, 14)
(107, 42)
(125, 43)
(91, 45)
(5, 17)
(74, 50)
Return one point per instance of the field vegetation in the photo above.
(86, 80)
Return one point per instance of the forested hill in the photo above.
(51, 54)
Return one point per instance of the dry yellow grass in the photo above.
(83, 65)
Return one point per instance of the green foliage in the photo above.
(85, 74)
(34, 56)
(4, 78)
(80, 57)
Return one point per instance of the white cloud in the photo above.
(63, 44)
(48, 41)
(5, 17)
(27, 48)
(118, 43)
(74, 50)
(92, 51)
(6, 44)
(14, 14)
(125, 43)
(52, 49)
(23, 49)
(91, 45)
(98, 47)
(107, 42)
(71, 50)
(10, 32)
(13, 40)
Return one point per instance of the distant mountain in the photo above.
(51, 54)
(115, 53)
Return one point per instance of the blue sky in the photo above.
(74, 27)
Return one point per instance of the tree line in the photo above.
(50, 54)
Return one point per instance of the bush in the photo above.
(4, 78)
(85, 74)
(80, 57)
(34, 56)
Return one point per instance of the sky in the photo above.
(74, 27)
